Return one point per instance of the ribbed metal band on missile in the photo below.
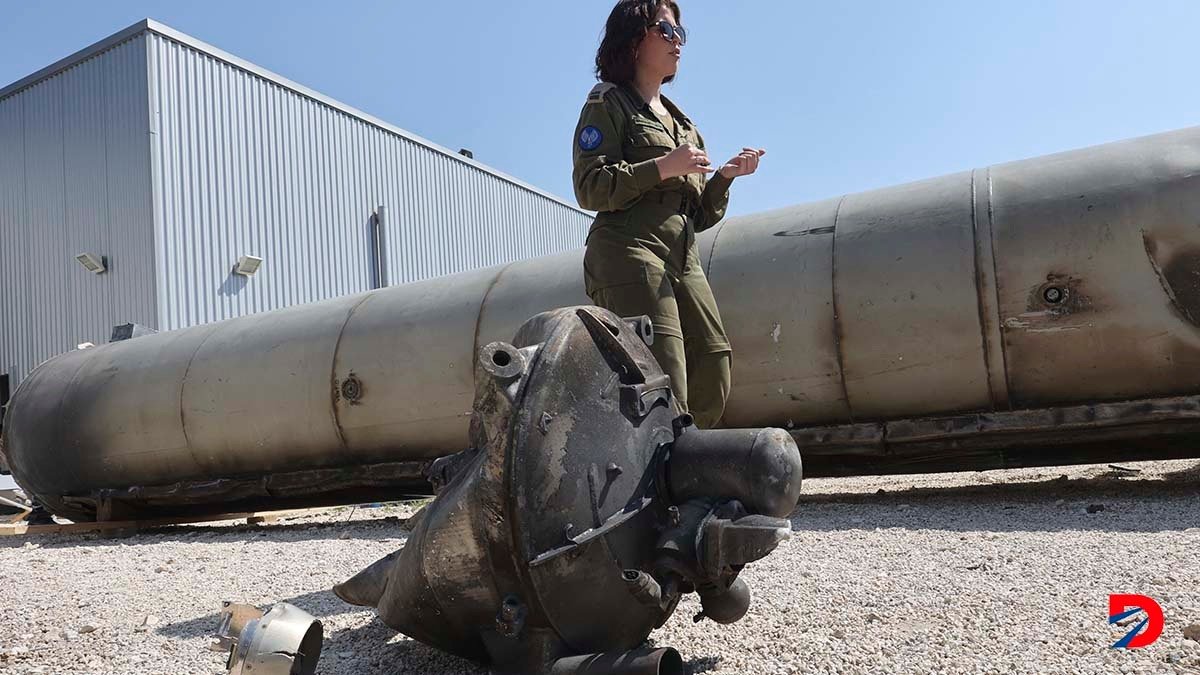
(585, 509)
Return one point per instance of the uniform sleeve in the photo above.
(604, 181)
(714, 199)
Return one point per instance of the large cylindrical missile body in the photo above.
(1054, 282)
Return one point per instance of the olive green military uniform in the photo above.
(641, 250)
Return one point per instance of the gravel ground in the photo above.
(986, 572)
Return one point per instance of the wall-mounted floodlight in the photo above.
(247, 265)
(92, 263)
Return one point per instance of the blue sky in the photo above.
(845, 96)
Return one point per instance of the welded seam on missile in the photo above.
(996, 292)
(981, 303)
(479, 315)
(837, 321)
(337, 350)
(712, 252)
(183, 387)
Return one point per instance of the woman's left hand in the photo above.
(744, 164)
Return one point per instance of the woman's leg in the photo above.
(708, 386)
(669, 352)
(708, 353)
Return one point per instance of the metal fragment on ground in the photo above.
(285, 640)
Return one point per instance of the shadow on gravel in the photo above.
(1189, 474)
(702, 665)
(376, 649)
(320, 604)
(1111, 502)
(373, 649)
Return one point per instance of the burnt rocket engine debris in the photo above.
(585, 509)
(285, 640)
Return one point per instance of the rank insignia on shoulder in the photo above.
(597, 93)
(590, 138)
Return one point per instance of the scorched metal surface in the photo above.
(585, 509)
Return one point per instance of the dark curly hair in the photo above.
(624, 31)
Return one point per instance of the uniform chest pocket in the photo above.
(646, 142)
(650, 136)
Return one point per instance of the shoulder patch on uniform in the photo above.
(590, 138)
(597, 93)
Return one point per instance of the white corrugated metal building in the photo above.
(169, 159)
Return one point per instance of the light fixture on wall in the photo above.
(247, 265)
(93, 263)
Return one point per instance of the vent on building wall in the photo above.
(93, 263)
(247, 265)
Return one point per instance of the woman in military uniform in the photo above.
(641, 164)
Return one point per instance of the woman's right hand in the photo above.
(681, 161)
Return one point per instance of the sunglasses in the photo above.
(670, 32)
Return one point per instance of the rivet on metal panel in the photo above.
(352, 389)
(1060, 295)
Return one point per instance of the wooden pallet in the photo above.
(16, 517)
(19, 528)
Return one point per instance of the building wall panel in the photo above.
(247, 166)
(74, 177)
(172, 158)
(14, 334)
